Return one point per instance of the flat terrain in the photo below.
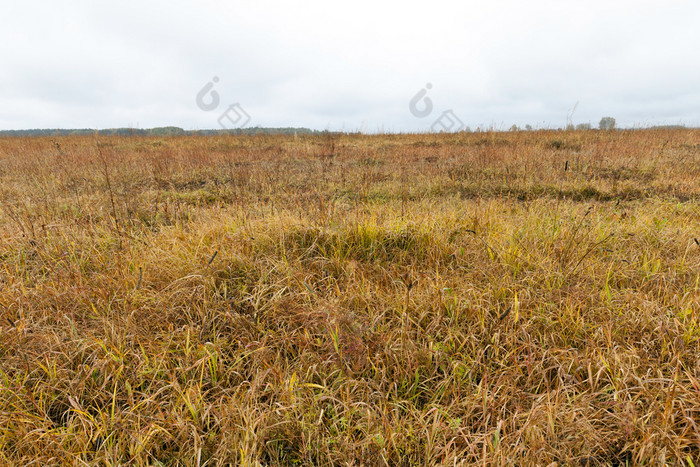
(487, 298)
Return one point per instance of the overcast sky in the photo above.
(348, 65)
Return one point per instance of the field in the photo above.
(513, 298)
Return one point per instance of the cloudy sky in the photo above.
(363, 65)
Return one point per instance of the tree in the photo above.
(607, 123)
(583, 126)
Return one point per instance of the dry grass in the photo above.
(490, 298)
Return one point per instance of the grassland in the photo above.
(486, 298)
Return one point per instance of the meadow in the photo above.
(493, 298)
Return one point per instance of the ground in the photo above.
(422, 299)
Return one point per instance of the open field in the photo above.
(487, 298)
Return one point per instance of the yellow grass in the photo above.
(488, 298)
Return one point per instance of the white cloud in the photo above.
(348, 66)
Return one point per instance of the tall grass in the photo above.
(487, 298)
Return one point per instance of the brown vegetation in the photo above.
(497, 298)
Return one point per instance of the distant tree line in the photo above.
(605, 124)
(162, 131)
